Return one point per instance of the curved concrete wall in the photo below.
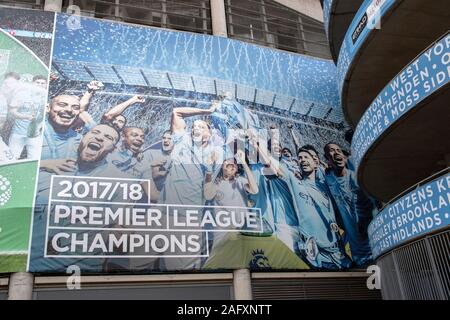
(383, 37)
(337, 17)
(423, 77)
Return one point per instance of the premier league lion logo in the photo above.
(259, 261)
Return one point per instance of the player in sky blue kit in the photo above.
(126, 157)
(192, 156)
(27, 109)
(320, 241)
(11, 82)
(276, 188)
(91, 160)
(230, 188)
(355, 208)
(320, 166)
(192, 153)
(60, 143)
(157, 160)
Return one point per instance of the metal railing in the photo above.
(416, 186)
(271, 24)
(419, 270)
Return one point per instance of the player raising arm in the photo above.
(225, 184)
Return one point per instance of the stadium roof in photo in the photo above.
(130, 76)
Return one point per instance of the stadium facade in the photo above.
(393, 81)
(268, 62)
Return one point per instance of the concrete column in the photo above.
(53, 5)
(242, 284)
(311, 8)
(20, 286)
(218, 18)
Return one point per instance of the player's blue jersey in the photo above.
(187, 167)
(281, 198)
(102, 169)
(355, 211)
(261, 199)
(57, 145)
(290, 165)
(126, 162)
(30, 100)
(320, 174)
(151, 156)
(321, 242)
(283, 210)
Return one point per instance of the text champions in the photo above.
(94, 230)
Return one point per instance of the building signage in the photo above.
(420, 212)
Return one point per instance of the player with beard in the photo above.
(91, 160)
(126, 156)
(159, 160)
(192, 156)
(355, 209)
(113, 117)
(60, 143)
(320, 166)
(192, 152)
(320, 241)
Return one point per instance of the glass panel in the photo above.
(248, 32)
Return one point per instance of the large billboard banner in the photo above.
(25, 50)
(173, 151)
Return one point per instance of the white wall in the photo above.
(310, 8)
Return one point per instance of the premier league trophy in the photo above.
(233, 120)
